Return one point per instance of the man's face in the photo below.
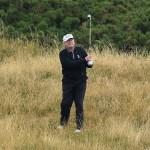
(70, 43)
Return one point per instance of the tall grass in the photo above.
(117, 101)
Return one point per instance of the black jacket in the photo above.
(73, 64)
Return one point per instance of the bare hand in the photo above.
(88, 58)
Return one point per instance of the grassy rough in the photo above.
(117, 102)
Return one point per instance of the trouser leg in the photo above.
(66, 103)
(79, 93)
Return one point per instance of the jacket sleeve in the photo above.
(84, 55)
(67, 63)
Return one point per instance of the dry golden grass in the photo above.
(117, 102)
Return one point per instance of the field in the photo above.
(116, 106)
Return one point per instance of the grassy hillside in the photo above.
(117, 101)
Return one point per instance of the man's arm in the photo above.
(87, 58)
(67, 63)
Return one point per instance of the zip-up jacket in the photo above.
(73, 64)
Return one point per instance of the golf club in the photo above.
(90, 63)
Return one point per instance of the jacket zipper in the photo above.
(73, 55)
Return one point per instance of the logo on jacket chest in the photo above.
(78, 56)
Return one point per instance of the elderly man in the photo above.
(74, 61)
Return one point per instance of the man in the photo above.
(74, 61)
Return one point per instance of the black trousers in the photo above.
(73, 91)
